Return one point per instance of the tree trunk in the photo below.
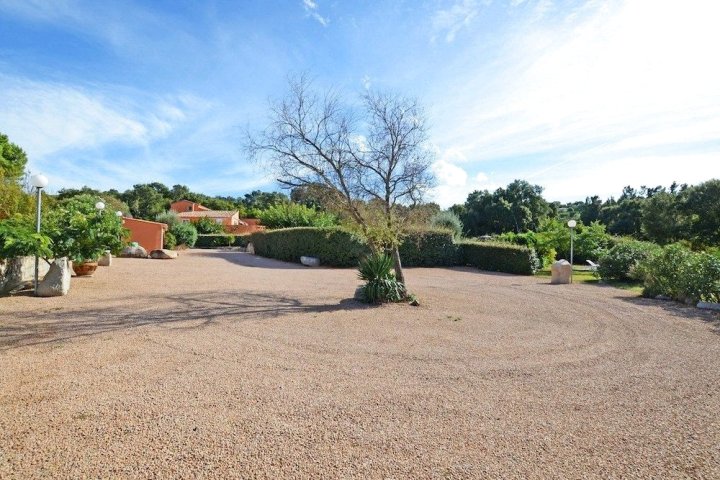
(399, 276)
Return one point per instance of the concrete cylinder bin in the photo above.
(561, 272)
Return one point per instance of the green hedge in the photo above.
(334, 246)
(215, 240)
(338, 247)
(429, 248)
(499, 257)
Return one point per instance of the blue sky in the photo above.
(579, 97)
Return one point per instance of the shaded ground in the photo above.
(224, 364)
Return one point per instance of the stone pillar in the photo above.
(561, 272)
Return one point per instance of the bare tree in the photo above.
(374, 161)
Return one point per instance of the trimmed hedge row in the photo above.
(499, 257)
(215, 240)
(334, 246)
(429, 248)
(338, 247)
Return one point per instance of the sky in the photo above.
(581, 98)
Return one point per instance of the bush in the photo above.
(81, 232)
(185, 234)
(334, 246)
(680, 274)
(447, 220)
(381, 286)
(169, 218)
(289, 215)
(620, 262)
(208, 226)
(544, 250)
(591, 241)
(18, 239)
(499, 257)
(169, 241)
(428, 248)
(215, 240)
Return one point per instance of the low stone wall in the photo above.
(16, 273)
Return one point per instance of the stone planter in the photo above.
(85, 269)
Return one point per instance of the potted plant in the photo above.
(80, 231)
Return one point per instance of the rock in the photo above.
(19, 273)
(709, 306)
(310, 261)
(163, 254)
(414, 302)
(105, 260)
(57, 280)
(250, 248)
(561, 272)
(134, 252)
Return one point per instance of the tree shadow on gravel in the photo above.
(677, 309)
(192, 311)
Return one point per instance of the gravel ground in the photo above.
(221, 364)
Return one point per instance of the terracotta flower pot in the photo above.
(85, 269)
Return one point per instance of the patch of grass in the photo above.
(584, 275)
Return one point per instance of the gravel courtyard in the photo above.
(221, 364)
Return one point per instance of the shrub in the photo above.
(169, 218)
(428, 248)
(214, 240)
(18, 239)
(288, 215)
(447, 220)
(544, 250)
(499, 257)
(381, 286)
(185, 234)
(591, 241)
(334, 246)
(169, 241)
(682, 275)
(81, 232)
(207, 226)
(620, 262)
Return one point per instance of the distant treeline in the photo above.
(658, 214)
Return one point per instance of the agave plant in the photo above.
(381, 286)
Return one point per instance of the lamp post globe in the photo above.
(39, 180)
(100, 205)
(572, 223)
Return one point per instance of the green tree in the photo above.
(12, 160)
(146, 201)
(702, 207)
(663, 220)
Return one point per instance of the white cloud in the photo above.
(311, 8)
(453, 182)
(606, 81)
(450, 21)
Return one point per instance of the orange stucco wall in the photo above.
(186, 206)
(149, 235)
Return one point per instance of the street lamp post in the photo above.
(39, 181)
(572, 224)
